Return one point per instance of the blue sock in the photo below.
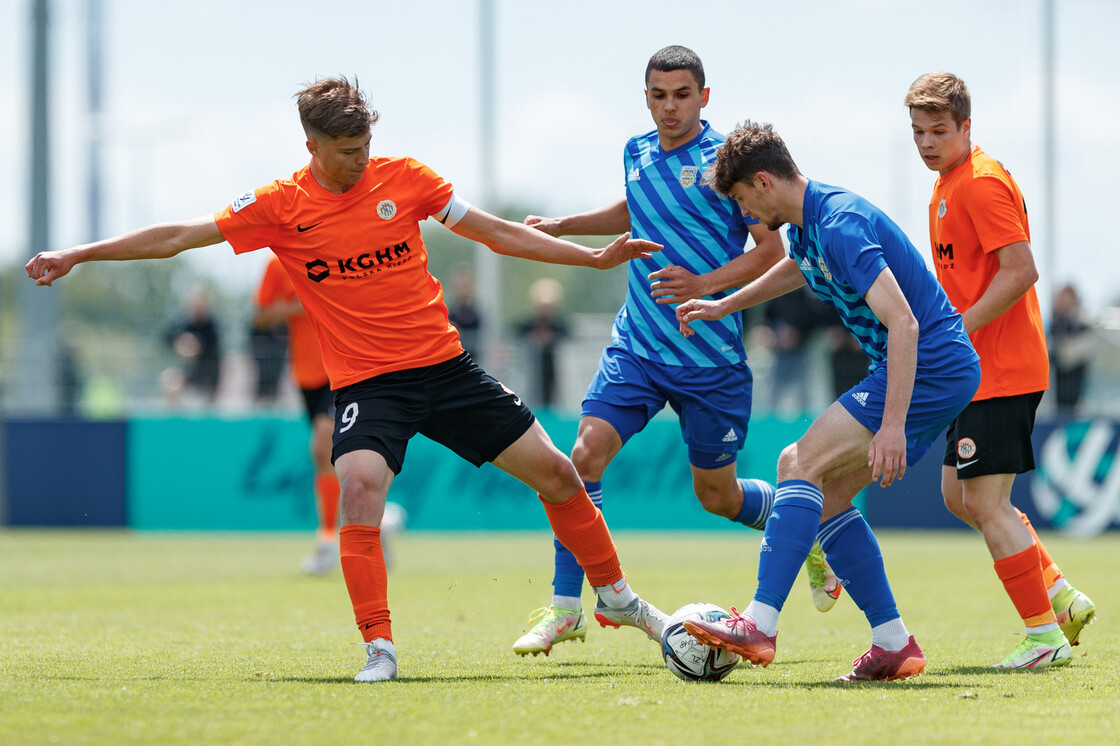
(856, 559)
(758, 503)
(788, 537)
(567, 577)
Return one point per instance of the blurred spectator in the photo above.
(543, 331)
(268, 344)
(69, 378)
(1071, 348)
(196, 342)
(791, 320)
(463, 313)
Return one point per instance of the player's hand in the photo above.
(551, 226)
(887, 456)
(47, 266)
(698, 310)
(673, 284)
(623, 249)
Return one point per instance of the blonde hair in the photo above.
(334, 108)
(937, 92)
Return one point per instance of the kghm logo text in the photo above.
(358, 266)
(945, 255)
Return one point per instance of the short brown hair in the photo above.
(750, 148)
(334, 108)
(937, 92)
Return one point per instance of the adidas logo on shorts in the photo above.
(861, 397)
(731, 437)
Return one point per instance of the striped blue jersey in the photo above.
(844, 244)
(700, 231)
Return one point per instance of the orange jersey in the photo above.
(976, 209)
(357, 263)
(303, 347)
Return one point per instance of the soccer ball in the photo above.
(687, 657)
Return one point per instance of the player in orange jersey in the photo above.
(980, 240)
(346, 229)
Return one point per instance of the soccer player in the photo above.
(346, 228)
(923, 373)
(981, 247)
(648, 364)
(276, 303)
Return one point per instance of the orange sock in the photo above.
(580, 527)
(326, 496)
(1022, 579)
(363, 567)
(1050, 570)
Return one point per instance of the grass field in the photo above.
(118, 638)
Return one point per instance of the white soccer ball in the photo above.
(687, 657)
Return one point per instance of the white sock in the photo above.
(765, 617)
(1055, 589)
(891, 636)
(619, 595)
(568, 602)
(386, 646)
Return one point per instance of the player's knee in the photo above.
(715, 499)
(789, 466)
(589, 462)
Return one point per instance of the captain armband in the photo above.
(453, 211)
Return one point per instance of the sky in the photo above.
(198, 103)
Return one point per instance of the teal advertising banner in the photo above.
(208, 473)
(255, 474)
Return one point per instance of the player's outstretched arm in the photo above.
(154, 242)
(515, 239)
(780, 279)
(673, 284)
(608, 220)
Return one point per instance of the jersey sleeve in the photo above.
(250, 222)
(854, 251)
(995, 212)
(432, 192)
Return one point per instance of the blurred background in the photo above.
(124, 113)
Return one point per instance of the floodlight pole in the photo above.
(487, 272)
(35, 389)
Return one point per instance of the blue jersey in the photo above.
(700, 231)
(844, 244)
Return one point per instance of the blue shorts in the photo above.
(714, 404)
(936, 401)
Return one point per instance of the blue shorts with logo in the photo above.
(936, 401)
(713, 404)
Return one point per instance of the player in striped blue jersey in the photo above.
(924, 371)
(648, 363)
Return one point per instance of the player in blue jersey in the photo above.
(923, 372)
(648, 364)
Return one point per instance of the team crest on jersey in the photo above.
(688, 175)
(966, 448)
(241, 202)
(941, 210)
(387, 209)
(824, 269)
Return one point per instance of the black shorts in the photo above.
(455, 403)
(318, 401)
(993, 436)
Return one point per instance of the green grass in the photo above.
(110, 637)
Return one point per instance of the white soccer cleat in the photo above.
(323, 560)
(637, 613)
(381, 661)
